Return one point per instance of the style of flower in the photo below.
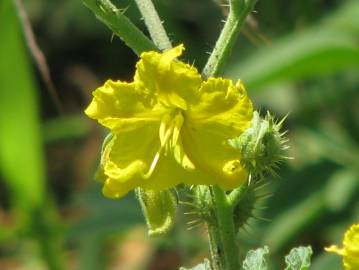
(169, 126)
(350, 250)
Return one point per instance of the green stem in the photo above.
(114, 18)
(154, 24)
(225, 229)
(45, 226)
(214, 245)
(235, 195)
(239, 9)
(51, 253)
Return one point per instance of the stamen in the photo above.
(158, 154)
(153, 166)
(178, 122)
(164, 128)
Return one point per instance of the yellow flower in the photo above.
(350, 251)
(169, 126)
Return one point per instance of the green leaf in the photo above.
(21, 155)
(256, 259)
(203, 266)
(299, 258)
(116, 20)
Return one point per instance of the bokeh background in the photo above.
(300, 57)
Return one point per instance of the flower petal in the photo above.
(127, 158)
(224, 112)
(175, 82)
(121, 106)
(131, 160)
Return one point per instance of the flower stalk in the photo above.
(226, 229)
(238, 11)
(154, 24)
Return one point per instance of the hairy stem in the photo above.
(225, 229)
(154, 24)
(114, 19)
(214, 245)
(238, 11)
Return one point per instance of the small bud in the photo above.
(261, 146)
(159, 209)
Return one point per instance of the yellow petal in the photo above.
(174, 82)
(127, 158)
(350, 250)
(121, 106)
(224, 112)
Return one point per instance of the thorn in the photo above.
(193, 227)
(262, 186)
(264, 196)
(187, 203)
(282, 121)
(190, 213)
(112, 37)
(194, 222)
(261, 218)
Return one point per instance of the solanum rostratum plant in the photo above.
(172, 128)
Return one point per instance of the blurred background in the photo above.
(300, 57)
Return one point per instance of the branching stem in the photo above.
(114, 18)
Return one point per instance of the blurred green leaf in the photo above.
(342, 187)
(21, 155)
(292, 221)
(324, 49)
(256, 259)
(299, 258)
(326, 261)
(66, 128)
(104, 216)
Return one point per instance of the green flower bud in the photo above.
(159, 209)
(261, 146)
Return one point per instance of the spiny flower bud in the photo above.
(262, 145)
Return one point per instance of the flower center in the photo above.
(169, 134)
(170, 129)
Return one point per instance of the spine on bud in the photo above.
(262, 146)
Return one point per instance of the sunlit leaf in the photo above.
(256, 259)
(299, 258)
